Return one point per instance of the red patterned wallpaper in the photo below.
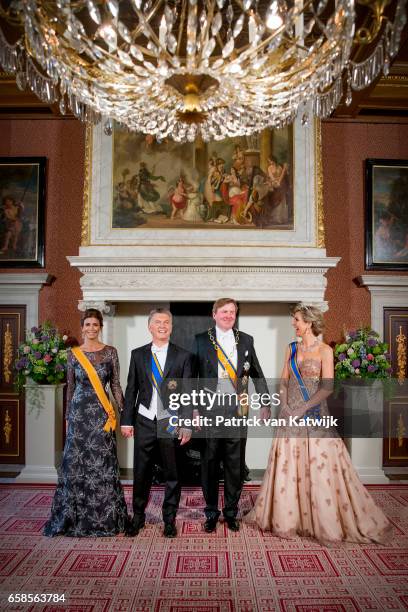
(345, 147)
(62, 142)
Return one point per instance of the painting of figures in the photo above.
(22, 201)
(243, 182)
(386, 214)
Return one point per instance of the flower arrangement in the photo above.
(362, 355)
(42, 357)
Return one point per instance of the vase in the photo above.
(364, 429)
(43, 432)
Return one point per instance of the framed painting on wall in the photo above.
(386, 214)
(243, 182)
(22, 203)
(259, 190)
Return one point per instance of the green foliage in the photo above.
(42, 357)
(362, 355)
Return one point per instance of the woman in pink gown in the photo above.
(310, 487)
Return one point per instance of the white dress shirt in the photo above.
(226, 340)
(161, 355)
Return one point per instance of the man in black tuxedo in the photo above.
(225, 358)
(156, 370)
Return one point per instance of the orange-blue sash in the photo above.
(226, 365)
(157, 373)
(313, 412)
(157, 379)
(98, 388)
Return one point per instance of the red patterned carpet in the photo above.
(197, 572)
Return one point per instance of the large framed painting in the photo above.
(243, 182)
(386, 214)
(22, 202)
(258, 190)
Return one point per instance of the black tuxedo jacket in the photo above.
(139, 389)
(206, 362)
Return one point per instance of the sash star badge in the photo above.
(172, 384)
(246, 366)
(244, 380)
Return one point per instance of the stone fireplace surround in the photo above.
(126, 282)
(183, 273)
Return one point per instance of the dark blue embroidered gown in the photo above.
(89, 499)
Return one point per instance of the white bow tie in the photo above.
(159, 350)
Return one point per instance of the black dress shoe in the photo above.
(210, 525)
(232, 524)
(133, 528)
(170, 530)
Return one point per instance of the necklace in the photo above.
(310, 348)
(214, 342)
(216, 347)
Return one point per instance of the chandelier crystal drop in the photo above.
(189, 68)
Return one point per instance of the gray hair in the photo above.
(159, 311)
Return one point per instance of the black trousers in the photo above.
(146, 444)
(231, 451)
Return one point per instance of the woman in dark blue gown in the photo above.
(89, 499)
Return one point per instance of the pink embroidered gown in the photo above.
(310, 487)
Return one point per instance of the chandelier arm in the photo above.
(264, 43)
(153, 35)
(181, 26)
(204, 34)
(220, 42)
(298, 68)
(261, 46)
(365, 35)
(146, 18)
(191, 36)
(356, 68)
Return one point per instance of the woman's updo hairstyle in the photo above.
(92, 313)
(310, 314)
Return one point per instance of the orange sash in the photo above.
(227, 365)
(98, 388)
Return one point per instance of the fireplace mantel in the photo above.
(177, 274)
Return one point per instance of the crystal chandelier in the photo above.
(188, 68)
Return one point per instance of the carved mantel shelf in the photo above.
(23, 288)
(164, 277)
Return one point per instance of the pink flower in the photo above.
(35, 341)
(26, 349)
(370, 357)
(47, 358)
(357, 371)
